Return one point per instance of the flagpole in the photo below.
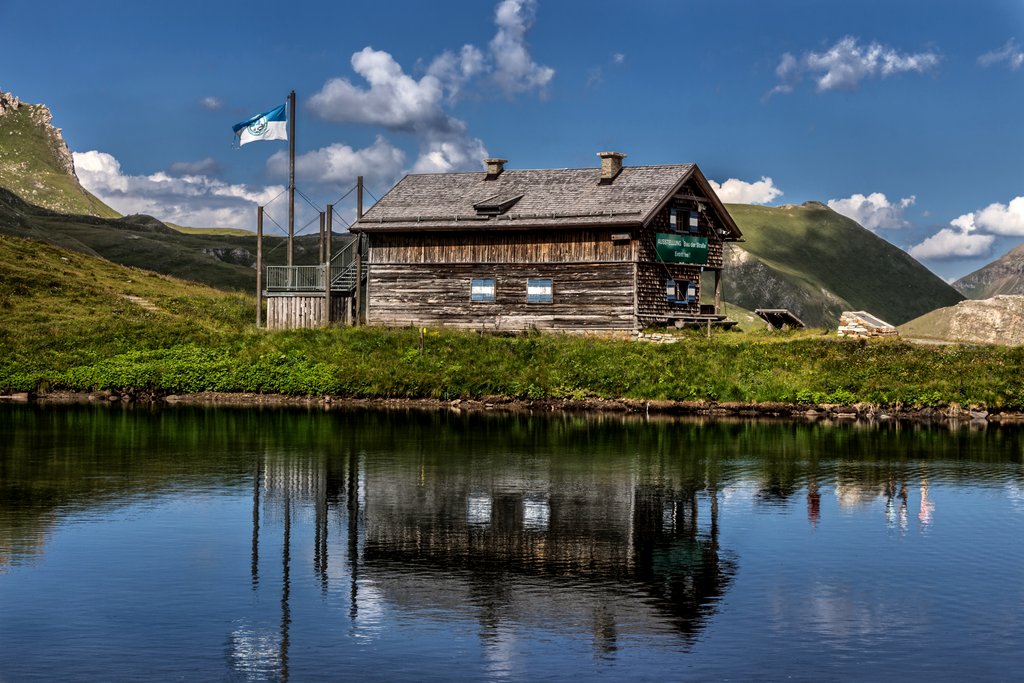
(291, 176)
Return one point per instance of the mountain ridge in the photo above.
(1005, 275)
(817, 263)
(36, 164)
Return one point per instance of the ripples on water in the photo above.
(272, 545)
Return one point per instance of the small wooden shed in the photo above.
(610, 248)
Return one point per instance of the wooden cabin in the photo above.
(576, 249)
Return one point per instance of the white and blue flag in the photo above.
(270, 125)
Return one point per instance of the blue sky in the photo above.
(905, 115)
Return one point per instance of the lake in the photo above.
(245, 544)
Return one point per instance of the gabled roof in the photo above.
(550, 198)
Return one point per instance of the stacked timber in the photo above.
(863, 324)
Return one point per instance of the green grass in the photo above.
(815, 250)
(232, 232)
(65, 324)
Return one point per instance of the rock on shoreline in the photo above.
(860, 412)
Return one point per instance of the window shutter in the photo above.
(694, 222)
(670, 290)
(691, 292)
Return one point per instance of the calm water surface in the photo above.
(270, 545)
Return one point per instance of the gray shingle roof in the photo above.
(550, 198)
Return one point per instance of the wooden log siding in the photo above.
(555, 246)
(596, 296)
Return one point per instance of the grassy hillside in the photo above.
(218, 260)
(61, 308)
(817, 263)
(1005, 275)
(71, 321)
(36, 165)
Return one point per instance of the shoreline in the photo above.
(502, 404)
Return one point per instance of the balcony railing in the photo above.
(311, 278)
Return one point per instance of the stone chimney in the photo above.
(494, 167)
(611, 166)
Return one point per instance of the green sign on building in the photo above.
(675, 248)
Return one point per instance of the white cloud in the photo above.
(874, 211)
(207, 166)
(454, 71)
(789, 74)
(735, 191)
(967, 236)
(444, 153)
(196, 200)
(1002, 219)
(397, 101)
(515, 71)
(618, 58)
(844, 65)
(1010, 53)
(211, 103)
(948, 243)
(381, 164)
(394, 99)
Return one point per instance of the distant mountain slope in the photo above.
(818, 263)
(1005, 275)
(35, 162)
(222, 261)
(998, 320)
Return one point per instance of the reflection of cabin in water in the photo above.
(615, 248)
(519, 545)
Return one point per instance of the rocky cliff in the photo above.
(36, 164)
(998, 320)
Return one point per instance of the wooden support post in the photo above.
(259, 266)
(718, 291)
(328, 227)
(359, 253)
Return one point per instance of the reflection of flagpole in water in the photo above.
(256, 525)
(903, 504)
(320, 532)
(353, 534)
(714, 518)
(286, 616)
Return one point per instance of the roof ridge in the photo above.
(565, 168)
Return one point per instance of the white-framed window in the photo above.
(482, 289)
(539, 291)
